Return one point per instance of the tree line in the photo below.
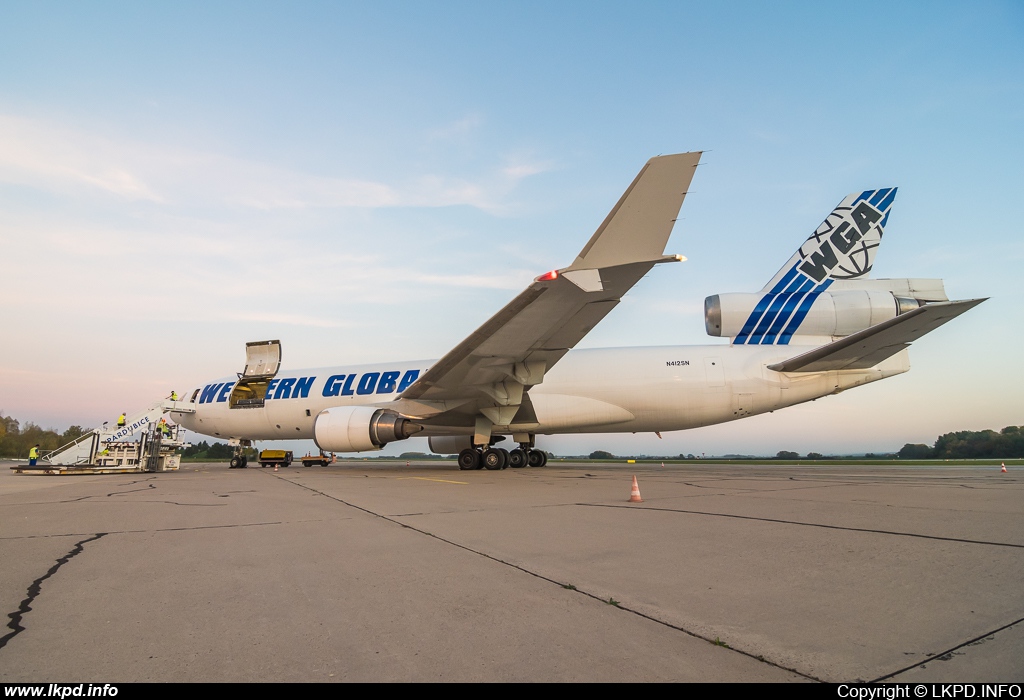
(1008, 443)
(16, 440)
(203, 451)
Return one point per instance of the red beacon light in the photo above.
(548, 276)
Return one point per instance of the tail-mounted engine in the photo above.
(768, 319)
(360, 428)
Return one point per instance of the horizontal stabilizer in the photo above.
(872, 345)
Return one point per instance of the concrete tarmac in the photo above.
(378, 571)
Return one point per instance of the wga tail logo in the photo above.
(844, 245)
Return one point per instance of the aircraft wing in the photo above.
(872, 345)
(489, 371)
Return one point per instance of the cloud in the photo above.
(511, 279)
(71, 161)
(59, 159)
(290, 320)
(458, 128)
(520, 168)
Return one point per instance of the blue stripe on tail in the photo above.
(805, 306)
(763, 305)
(787, 312)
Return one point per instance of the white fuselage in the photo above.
(589, 391)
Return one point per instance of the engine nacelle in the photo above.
(449, 444)
(360, 428)
(764, 318)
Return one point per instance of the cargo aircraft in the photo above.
(820, 326)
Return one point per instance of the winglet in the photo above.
(638, 226)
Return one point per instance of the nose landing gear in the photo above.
(238, 459)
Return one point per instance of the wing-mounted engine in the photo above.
(846, 308)
(360, 428)
(262, 361)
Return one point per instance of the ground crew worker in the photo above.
(174, 395)
(33, 455)
(164, 428)
(120, 421)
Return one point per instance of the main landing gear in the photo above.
(495, 458)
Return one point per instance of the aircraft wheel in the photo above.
(469, 459)
(517, 458)
(235, 463)
(245, 463)
(537, 458)
(494, 459)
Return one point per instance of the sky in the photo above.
(371, 181)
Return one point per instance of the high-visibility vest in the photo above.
(33, 453)
(174, 396)
(120, 421)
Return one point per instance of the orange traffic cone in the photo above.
(1003, 470)
(663, 465)
(634, 496)
(275, 467)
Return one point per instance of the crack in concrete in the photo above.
(560, 584)
(805, 524)
(83, 498)
(121, 493)
(948, 653)
(35, 588)
(137, 532)
(87, 498)
(168, 529)
(175, 503)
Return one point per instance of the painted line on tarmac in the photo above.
(425, 478)
(565, 586)
(797, 522)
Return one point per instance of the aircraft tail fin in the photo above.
(842, 248)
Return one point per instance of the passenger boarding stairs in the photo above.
(84, 450)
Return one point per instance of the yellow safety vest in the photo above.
(33, 453)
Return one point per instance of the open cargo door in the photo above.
(262, 360)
